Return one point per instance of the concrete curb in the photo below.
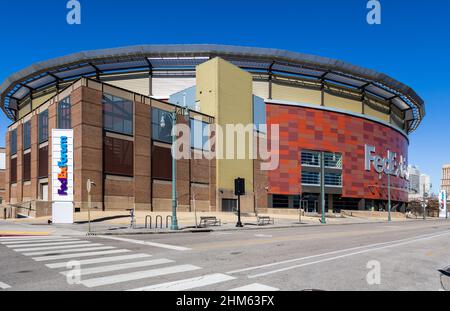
(254, 227)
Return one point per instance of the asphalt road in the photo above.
(397, 256)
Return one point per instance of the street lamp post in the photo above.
(184, 111)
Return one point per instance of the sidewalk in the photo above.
(118, 223)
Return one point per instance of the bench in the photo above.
(207, 221)
(265, 220)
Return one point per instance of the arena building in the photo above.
(343, 129)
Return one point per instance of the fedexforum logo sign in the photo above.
(62, 164)
(391, 164)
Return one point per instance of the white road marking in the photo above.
(37, 241)
(255, 287)
(139, 275)
(325, 254)
(48, 244)
(4, 285)
(263, 236)
(173, 247)
(123, 266)
(89, 254)
(346, 255)
(55, 247)
(188, 283)
(98, 260)
(66, 251)
(32, 238)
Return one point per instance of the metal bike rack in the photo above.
(146, 221)
(156, 224)
(167, 220)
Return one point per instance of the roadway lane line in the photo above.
(98, 260)
(139, 275)
(89, 254)
(66, 251)
(255, 287)
(188, 283)
(346, 255)
(324, 254)
(47, 244)
(168, 246)
(35, 242)
(31, 238)
(55, 247)
(4, 285)
(123, 266)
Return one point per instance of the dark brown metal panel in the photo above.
(26, 167)
(43, 162)
(118, 156)
(13, 171)
(161, 163)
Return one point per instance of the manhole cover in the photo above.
(445, 278)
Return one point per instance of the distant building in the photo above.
(419, 184)
(445, 184)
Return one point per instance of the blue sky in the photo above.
(412, 43)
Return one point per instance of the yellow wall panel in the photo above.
(342, 103)
(296, 94)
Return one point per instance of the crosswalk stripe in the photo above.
(89, 254)
(55, 247)
(98, 260)
(120, 278)
(47, 244)
(37, 241)
(124, 266)
(255, 287)
(168, 246)
(31, 238)
(188, 283)
(65, 251)
(4, 285)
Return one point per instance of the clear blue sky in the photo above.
(412, 44)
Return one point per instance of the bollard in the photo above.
(4, 213)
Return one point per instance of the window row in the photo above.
(313, 179)
(312, 158)
(26, 166)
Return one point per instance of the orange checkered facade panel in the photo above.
(321, 130)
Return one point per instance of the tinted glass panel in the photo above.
(13, 141)
(64, 114)
(310, 178)
(118, 156)
(333, 179)
(27, 135)
(43, 126)
(198, 139)
(117, 114)
(310, 158)
(161, 125)
(333, 160)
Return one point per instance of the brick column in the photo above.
(142, 157)
(34, 158)
(87, 122)
(8, 168)
(51, 125)
(19, 189)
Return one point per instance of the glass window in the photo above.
(26, 167)
(13, 142)
(310, 178)
(43, 162)
(161, 163)
(162, 125)
(43, 126)
(333, 160)
(13, 171)
(198, 140)
(64, 114)
(27, 135)
(333, 179)
(117, 114)
(310, 158)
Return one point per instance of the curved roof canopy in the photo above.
(168, 58)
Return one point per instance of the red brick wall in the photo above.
(315, 129)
